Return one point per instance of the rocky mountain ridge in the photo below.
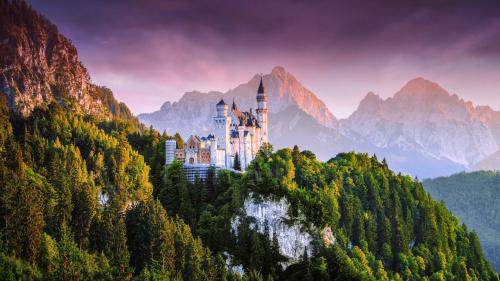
(193, 113)
(425, 118)
(38, 65)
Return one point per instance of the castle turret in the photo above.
(222, 129)
(262, 113)
(170, 146)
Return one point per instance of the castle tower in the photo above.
(262, 113)
(170, 146)
(241, 147)
(222, 130)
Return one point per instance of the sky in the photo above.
(152, 51)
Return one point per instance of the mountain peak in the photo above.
(278, 71)
(371, 96)
(420, 87)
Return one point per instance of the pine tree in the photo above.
(237, 163)
(22, 208)
(175, 190)
(296, 158)
(84, 211)
(150, 236)
(209, 186)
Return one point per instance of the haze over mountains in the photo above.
(422, 130)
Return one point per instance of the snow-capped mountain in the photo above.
(423, 117)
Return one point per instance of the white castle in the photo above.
(235, 134)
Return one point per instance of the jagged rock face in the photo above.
(292, 239)
(193, 113)
(38, 65)
(293, 126)
(425, 118)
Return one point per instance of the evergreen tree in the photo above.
(175, 191)
(296, 157)
(150, 236)
(237, 164)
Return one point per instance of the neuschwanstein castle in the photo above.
(234, 133)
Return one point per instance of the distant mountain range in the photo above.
(422, 130)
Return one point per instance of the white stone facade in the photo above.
(234, 133)
(241, 133)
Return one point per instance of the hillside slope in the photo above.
(76, 199)
(351, 218)
(475, 199)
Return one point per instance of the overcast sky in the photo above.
(149, 52)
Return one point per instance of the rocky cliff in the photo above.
(38, 65)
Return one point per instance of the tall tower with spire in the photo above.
(262, 112)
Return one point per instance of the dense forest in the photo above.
(87, 199)
(85, 194)
(475, 199)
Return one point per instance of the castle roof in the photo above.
(195, 138)
(238, 114)
(209, 137)
(234, 105)
(243, 118)
(221, 102)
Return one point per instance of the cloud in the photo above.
(175, 45)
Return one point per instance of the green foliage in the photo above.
(386, 226)
(237, 163)
(474, 199)
(13, 269)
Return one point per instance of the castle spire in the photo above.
(261, 87)
(234, 105)
(262, 112)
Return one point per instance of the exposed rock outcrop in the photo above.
(38, 65)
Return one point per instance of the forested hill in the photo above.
(475, 199)
(386, 227)
(78, 202)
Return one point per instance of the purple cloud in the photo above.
(340, 49)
